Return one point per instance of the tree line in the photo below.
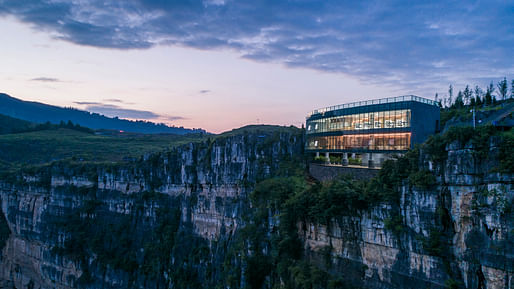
(477, 96)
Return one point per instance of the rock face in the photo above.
(194, 195)
(168, 221)
(458, 233)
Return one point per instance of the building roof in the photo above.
(372, 102)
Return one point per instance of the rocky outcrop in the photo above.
(207, 183)
(457, 233)
(170, 221)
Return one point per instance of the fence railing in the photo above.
(373, 101)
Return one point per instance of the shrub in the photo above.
(422, 179)
(335, 159)
(452, 284)
(436, 244)
(507, 153)
(320, 160)
(394, 224)
(4, 230)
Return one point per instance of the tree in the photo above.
(503, 88)
(468, 94)
(472, 102)
(438, 100)
(489, 94)
(491, 88)
(458, 101)
(479, 102)
(512, 89)
(478, 95)
(450, 93)
(488, 99)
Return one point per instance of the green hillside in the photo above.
(24, 143)
(12, 125)
(43, 146)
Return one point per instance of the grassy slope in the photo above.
(44, 146)
(10, 125)
(454, 116)
(260, 129)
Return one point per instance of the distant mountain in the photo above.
(9, 125)
(40, 113)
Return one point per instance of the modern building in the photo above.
(371, 131)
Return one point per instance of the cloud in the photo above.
(46, 79)
(114, 100)
(116, 111)
(399, 43)
(87, 103)
(173, 118)
(204, 91)
(117, 100)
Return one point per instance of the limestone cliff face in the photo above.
(206, 183)
(469, 211)
(110, 226)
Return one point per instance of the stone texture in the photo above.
(211, 182)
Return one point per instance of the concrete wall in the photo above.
(327, 172)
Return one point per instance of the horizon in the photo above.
(197, 128)
(220, 65)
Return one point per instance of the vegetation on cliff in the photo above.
(151, 241)
(276, 256)
(479, 139)
(151, 246)
(458, 108)
(4, 231)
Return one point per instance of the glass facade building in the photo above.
(382, 125)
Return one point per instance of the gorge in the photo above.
(240, 211)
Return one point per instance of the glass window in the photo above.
(362, 121)
(387, 141)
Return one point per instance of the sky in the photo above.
(222, 64)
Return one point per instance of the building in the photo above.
(368, 132)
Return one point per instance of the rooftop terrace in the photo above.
(374, 101)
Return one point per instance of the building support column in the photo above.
(344, 161)
(317, 154)
(371, 164)
(327, 157)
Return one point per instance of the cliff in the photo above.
(151, 223)
(456, 233)
(209, 215)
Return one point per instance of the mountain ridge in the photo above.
(40, 113)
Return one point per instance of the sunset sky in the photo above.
(222, 64)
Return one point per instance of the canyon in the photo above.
(173, 220)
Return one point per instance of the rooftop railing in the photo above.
(373, 101)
